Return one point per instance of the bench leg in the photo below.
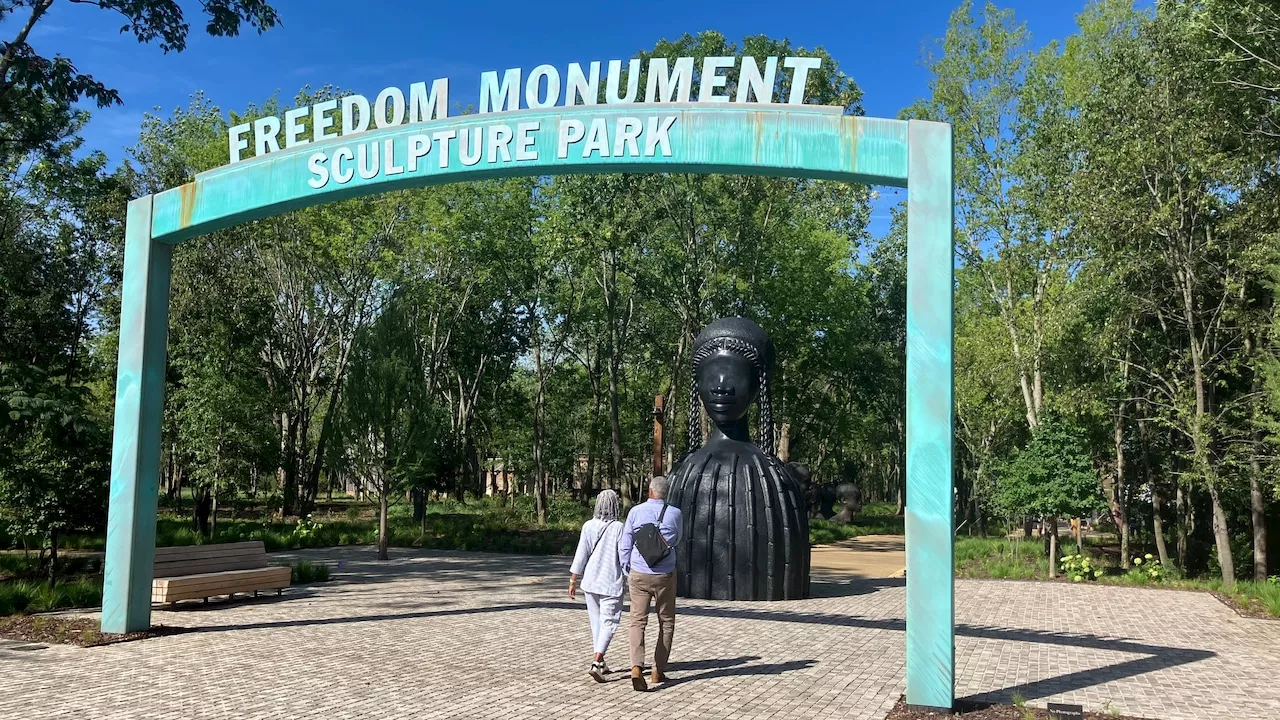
(279, 592)
(206, 601)
(255, 593)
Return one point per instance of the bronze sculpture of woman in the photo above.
(746, 530)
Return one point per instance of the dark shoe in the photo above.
(598, 671)
(637, 679)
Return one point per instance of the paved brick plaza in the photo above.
(458, 635)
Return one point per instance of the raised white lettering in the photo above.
(424, 106)
(662, 87)
(389, 166)
(712, 79)
(524, 139)
(586, 89)
(264, 135)
(419, 146)
(396, 98)
(316, 164)
(443, 137)
(495, 96)
(657, 135)
(800, 78)
(626, 132)
(350, 104)
(750, 79)
(470, 146)
(321, 120)
(367, 160)
(293, 127)
(571, 131)
(237, 140)
(611, 95)
(340, 176)
(597, 139)
(499, 137)
(534, 83)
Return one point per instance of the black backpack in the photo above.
(649, 541)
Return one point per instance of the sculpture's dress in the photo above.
(746, 529)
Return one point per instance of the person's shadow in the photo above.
(722, 667)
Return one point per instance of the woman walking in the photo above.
(596, 562)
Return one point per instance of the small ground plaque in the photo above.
(1058, 711)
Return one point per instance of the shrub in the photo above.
(26, 596)
(303, 572)
(1079, 568)
(1150, 567)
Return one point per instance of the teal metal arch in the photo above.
(764, 139)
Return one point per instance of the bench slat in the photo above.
(195, 552)
(214, 579)
(222, 584)
(208, 565)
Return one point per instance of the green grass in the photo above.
(20, 597)
(1003, 559)
(1000, 558)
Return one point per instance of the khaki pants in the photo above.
(662, 589)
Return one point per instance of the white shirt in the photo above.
(601, 573)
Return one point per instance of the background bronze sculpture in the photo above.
(746, 530)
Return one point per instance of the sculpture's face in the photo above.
(727, 383)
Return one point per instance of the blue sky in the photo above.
(366, 46)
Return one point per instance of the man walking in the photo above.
(647, 553)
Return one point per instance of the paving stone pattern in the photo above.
(465, 635)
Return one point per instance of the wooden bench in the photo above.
(203, 571)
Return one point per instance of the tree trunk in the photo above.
(539, 403)
(1258, 513)
(1182, 505)
(1053, 546)
(1257, 503)
(202, 504)
(419, 504)
(382, 525)
(899, 471)
(615, 425)
(1157, 524)
(53, 556)
(1115, 486)
(1080, 538)
(1222, 538)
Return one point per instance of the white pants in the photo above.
(605, 613)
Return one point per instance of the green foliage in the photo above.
(29, 596)
(1148, 565)
(1079, 568)
(304, 572)
(53, 456)
(1053, 476)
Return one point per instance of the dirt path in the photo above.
(869, 556)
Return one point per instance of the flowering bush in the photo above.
(306, 528)
(1149, 566)
(1079, 568)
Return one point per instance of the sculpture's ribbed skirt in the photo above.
(746, 530)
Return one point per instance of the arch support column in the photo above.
(930, 338)
(135, 445)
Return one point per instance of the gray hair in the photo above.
(608, 505)
(658, 486)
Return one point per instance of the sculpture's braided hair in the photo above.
(766, 402)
